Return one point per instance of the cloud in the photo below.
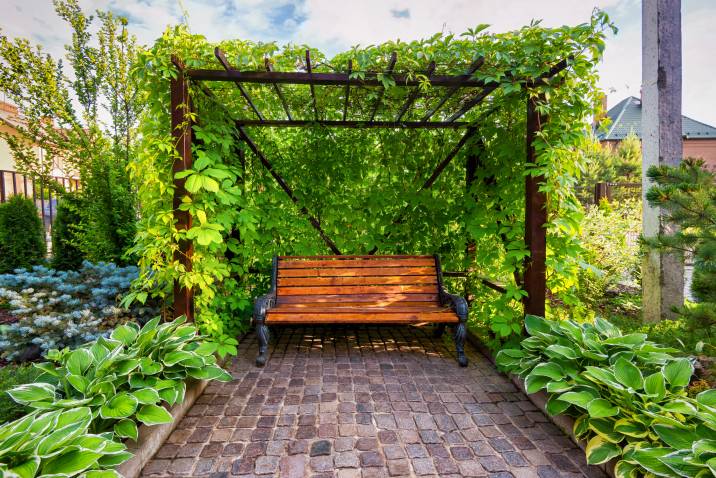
(334, 25)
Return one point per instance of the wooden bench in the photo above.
(358, 290)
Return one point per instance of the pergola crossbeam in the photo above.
(472, 69)
(228, 68)
(415, 93)
(355, 124)
(444, 163)
(287, 189)
(329, 79)
(278, 91)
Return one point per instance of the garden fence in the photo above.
(12, 183)
(609, 191)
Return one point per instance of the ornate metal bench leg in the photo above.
(439, 329)
(460, 334)
(262, 331)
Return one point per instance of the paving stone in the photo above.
(393, 452)
(423, 466)
(321, 447)
(371, 458)
(398, 467)
(366, 444)
(321, 463)
(351, 412)
(346, 459)
(445, 466)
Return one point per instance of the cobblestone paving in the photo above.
(352, 402)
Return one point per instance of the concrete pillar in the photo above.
(662, 274)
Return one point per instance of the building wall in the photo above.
(701, 148)
(6, 161)
(693, 148)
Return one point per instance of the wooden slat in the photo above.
(334, 318)
(303, 264)
(378, 305)
(358, 289)
(359, 309)
(345, 257)
(362, 298)
(369, 280)
(358, 272)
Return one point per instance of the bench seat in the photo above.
(358, 290)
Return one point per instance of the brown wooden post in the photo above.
(601, 191)
(535, 276)
(181, 133)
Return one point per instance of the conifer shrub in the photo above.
(22, 241)
(66, 253)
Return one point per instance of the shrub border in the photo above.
(539, 400)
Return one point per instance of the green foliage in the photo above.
(22, 241)
(57, 309)
(87, 401)
(612, 164)
(66, 255)
(10, 377)
(84, 140)
(687, 194)
(611, 257)
(124, 378)
(58, 443)
(628, 396)
(363, 185)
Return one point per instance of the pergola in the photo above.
(472, 92)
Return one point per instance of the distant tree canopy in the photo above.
(80, 110)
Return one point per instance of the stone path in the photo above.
(365, 402)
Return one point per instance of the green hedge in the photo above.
(628, 396)
(22, 237)
(66, 253)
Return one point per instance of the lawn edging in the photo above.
(151, 438)
(539, 399)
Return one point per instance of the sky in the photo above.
(336, 25)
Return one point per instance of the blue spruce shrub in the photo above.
(57, 309)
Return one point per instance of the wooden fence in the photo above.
(609, 191)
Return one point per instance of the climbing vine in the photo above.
(363, 185)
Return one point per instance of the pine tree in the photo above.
(687, 194)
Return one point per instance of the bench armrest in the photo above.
(263, 303)
(455, 302)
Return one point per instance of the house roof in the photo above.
(626, 118)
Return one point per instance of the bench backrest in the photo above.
(359, 279)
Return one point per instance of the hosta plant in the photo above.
(126, 378)
(627, 394)
(58, 443)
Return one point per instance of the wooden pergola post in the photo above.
(182, 136)
(535, 276)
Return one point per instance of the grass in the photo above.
(11, 376)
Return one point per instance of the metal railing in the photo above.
(45, 199)
(609, 191)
